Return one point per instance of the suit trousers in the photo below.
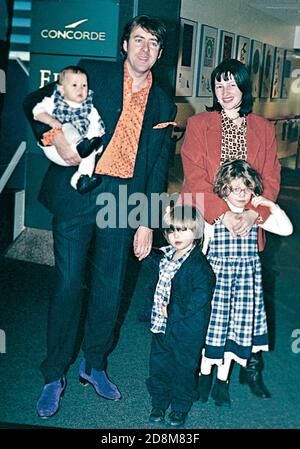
(79, 242)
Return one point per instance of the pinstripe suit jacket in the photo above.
(151, 168)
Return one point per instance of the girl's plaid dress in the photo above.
(238, 323)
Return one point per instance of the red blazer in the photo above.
(201, 152)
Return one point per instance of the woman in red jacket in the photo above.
(230, 130)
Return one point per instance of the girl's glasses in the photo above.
(238, 190)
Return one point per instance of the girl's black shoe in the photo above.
(252, 375)
(255, 382)
(204, 386)
(220, 393)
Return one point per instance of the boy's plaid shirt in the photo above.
(168, 267)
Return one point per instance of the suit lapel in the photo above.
(185, 269)
(108, 97)
(112, 100)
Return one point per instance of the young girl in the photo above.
(237, 324)
(182, 282)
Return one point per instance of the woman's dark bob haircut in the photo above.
(242, 78)
(152, 25)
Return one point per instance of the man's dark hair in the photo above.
(242, 78)
(152, 25)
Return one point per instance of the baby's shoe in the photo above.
(87, 183)
(87, 146)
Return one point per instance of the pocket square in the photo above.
(164, 125)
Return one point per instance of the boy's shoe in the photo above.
(157, 415)
(220, 393)
(87, 146)
(99, 380)
(49, 401)
(177, 419)
(204, 387)
(87, 183)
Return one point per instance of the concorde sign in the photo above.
(75, 28)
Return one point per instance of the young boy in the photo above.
(70, 110)
(180, 313)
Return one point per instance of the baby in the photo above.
(70, 111)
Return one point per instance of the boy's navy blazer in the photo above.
(151, 169)
(192, 285)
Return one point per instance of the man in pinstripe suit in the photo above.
(75, 232)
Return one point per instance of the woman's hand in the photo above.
(230, 220)
(245, 222)
(239, 224)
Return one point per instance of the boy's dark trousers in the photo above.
(174, 362)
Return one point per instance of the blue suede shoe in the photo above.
(48, 403)
(99, 380)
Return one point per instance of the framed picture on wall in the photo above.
(287, 73)
(186, 58)
(277, 72)
(267, 71)
(243, 47)
(256, 64)
(227, 42)
(207, 59)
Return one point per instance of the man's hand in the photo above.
(64, 150)
(142, 242)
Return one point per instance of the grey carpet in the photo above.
(25, 291)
